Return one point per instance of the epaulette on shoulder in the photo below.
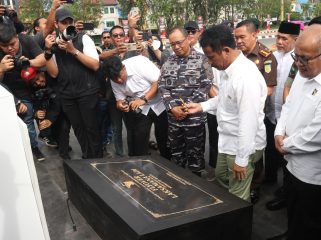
(265, 52)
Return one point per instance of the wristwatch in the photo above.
(144, 98)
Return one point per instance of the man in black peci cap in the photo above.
(285, 41)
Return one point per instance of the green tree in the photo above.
(86, 10)
(317, 9)
(32, 9)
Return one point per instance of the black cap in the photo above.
(62, 14)
(191, 25)
(289, 28)
(316, 20)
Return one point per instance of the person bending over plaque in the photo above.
(239, 103)
(134, 83)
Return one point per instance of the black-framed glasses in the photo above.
(119, 35)
(191, 31)
(303, 60)
(179, 43)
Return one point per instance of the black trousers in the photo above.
(60, 132)
(304, 209)
(138, 128)
(82, 113)
(161, 132)
(212, 139)
(273, 159)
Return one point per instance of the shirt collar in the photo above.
(129, 71)
(317, 79)
(229, 71)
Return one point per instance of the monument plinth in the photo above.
(153, 199)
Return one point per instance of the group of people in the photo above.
(220, 77)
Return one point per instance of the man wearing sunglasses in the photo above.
(298, 138)
(194, 34)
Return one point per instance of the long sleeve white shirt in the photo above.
(240, 103)
(285, 62)
(300, 122)
(141, 74)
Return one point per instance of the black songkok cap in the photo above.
(191, 25)
(289, 28)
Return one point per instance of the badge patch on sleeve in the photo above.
(267, 67)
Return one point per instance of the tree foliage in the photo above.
(86, 10)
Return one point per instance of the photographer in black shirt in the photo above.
(74, 64)
(18, 51)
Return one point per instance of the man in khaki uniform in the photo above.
(246, 40)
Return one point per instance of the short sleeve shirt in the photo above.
(266, 63)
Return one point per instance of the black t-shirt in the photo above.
(39, 38)
(30, 49)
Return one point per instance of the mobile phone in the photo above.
(134, 11)
(146, 36)
(88, 26)
(131, 46)
(70, 1)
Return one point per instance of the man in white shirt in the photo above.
(298, 137)
(134, 83)
(285, 40)
(239, 104)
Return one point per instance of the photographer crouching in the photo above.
(134, 83)
(46, 106)
(72, 59)
(18, 52)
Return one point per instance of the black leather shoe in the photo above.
(255, 195)
(276, 204)
(283, 236)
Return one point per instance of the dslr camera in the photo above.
(68, 34)
(128, 100)
(42, 98)
(20, 64)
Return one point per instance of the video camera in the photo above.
(130, 99)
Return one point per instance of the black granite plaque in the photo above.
(155, 189)
(154, 199)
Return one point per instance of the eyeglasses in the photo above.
(191, 31)
(303, 60)
(179, 43)
(120, 35)
(106, 37)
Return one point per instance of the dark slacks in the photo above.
(138, 128)
(82, 113)
(212, 139)
(60, 132)
(304, 209)
(161, 132)
(273, 159)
